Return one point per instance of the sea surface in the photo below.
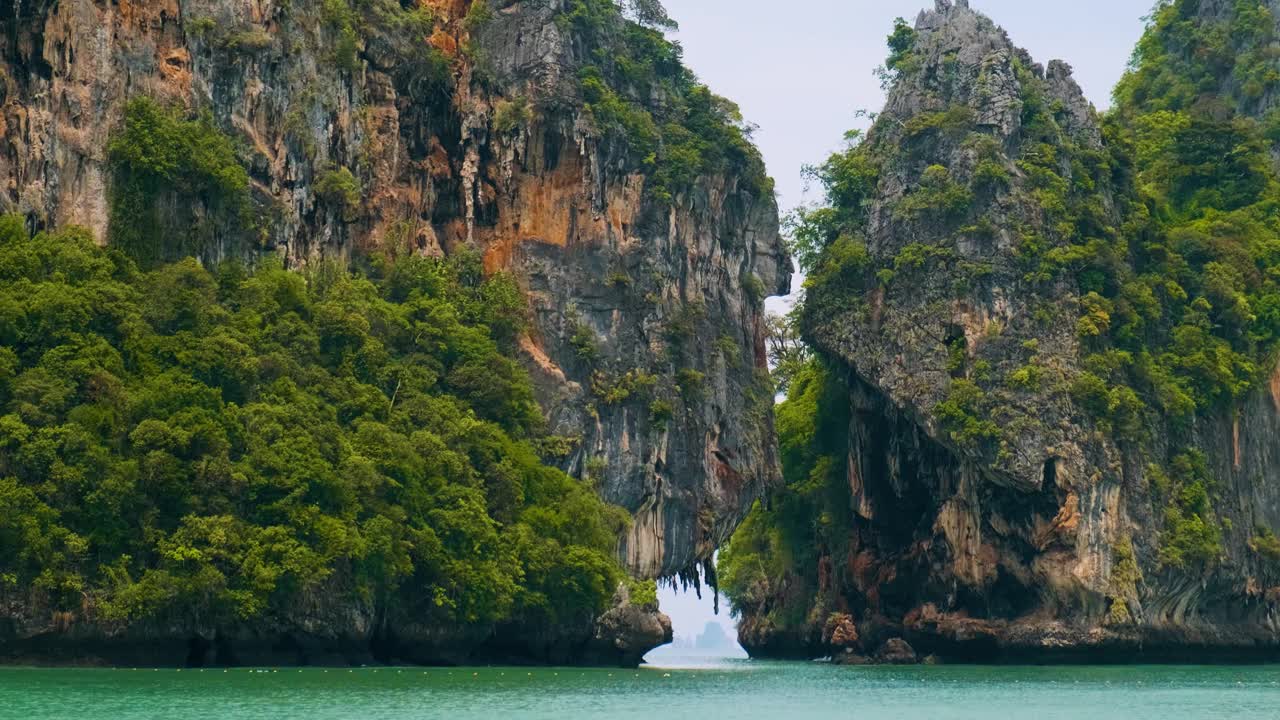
(699, 689)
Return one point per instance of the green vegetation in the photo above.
(341, 190)
(202, 27)
(584, 343)
(161, 162)
(341, 20)
(901, 60)
(937, 196)
(966, 415)
(683, 324)
(1180, 57)
(250, 39)
(1265, 543)
(417, 20)
(1116, 409)
(778, 547)
(915, 256)
(755, 290)
(843, 262)
(477, 15)
(729, 351)
(651, 13)
(850, 178)
(644, 593)
(617, 390)
(1125, 576)
(690, 382)
(351, 24)
(511, 115)
(661, 411)
(956, 121)
(643, 101)
(1191, 536)
(1198, 304)
(224, 445)
(1185, 315)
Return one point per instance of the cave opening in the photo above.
(901, 468)
(1049, 477)
(198, 648)
(1009, 597)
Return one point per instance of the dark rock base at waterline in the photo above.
(303, 651)
(1163, 648)
(618, 637)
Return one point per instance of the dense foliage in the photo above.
(1197, 310)
(769, 567)
(162, 164)
(640, 95)
(1194, 321)
(182, 443)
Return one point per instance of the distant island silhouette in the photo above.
(712, 641)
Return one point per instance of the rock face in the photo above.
(605, 264)
(627, 631)
(896, 651)
(465, 130)
(993, 518)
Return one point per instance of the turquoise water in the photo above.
(729, 689)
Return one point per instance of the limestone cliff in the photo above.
(1003, 501)
(517, 129)
(462, 127)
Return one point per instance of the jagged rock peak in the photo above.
(965, 57)
(970, 127)
(946, 12)
(1081, 117)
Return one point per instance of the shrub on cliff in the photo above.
(639, 96)
(340, 188)
(777, 547)
(161, 161)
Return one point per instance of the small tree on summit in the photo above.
(652, 14)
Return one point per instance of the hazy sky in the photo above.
(800, 70)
